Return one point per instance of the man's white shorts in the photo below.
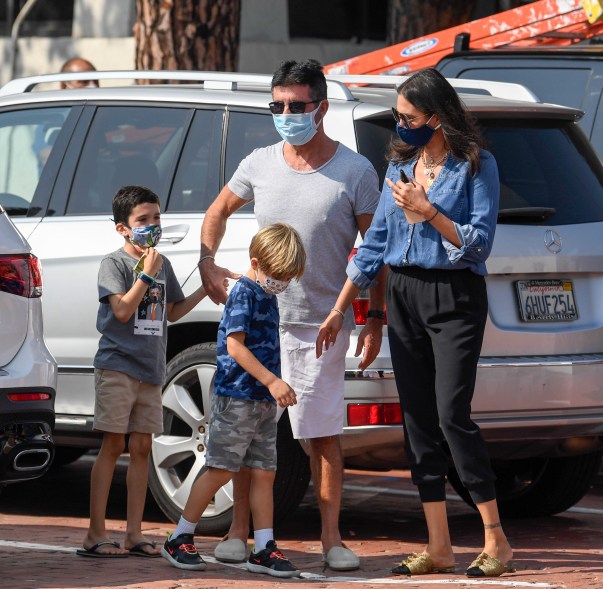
(318, 383)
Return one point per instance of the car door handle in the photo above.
(174, 233)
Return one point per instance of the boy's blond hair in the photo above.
(279, 251)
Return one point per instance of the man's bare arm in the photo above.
(370, 337)
(212, 232)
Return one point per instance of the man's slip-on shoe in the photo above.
(234, 550)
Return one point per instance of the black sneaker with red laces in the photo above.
(182, 553)
(271, 561)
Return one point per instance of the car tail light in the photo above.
(360, 305)
(374, 414)
(28, 396)
(21, 274)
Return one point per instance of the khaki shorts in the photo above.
(241, 433)
(124, 404)
(318, 383)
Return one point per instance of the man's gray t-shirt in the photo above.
(322, 205)
(138, 347)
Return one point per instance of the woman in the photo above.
(435, 231)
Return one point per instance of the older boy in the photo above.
(130, 364)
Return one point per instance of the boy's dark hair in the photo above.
(308, 72)
(127, 197)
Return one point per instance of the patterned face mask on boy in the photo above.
(144, 237)
(272, 285)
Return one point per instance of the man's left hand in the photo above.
(370, 339)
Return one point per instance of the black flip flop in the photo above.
(93, 551)
(137, 550)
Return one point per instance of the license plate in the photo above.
(546, 300)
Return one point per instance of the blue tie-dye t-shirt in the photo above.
(251, 311)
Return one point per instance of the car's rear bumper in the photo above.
(525, 406)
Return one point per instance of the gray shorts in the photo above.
(241, 433)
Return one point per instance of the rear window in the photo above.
(549, 173)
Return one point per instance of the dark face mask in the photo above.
(417, 137)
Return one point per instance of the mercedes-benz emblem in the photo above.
(552, 241)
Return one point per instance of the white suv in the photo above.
(538, 399)
(28, 372)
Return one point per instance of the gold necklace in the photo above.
(430, 167)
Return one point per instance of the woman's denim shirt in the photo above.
(471, 203)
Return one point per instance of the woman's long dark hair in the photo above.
(428, 91)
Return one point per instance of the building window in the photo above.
(46, 19)
(355, 20)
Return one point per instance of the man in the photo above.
(74, 66)
(328, 193)
(41, 146)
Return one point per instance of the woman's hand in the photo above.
(327, 333)
(411, 197)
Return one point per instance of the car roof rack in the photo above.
(337, 85)
(508, 90)
(210, 80)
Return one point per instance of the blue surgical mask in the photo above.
(297, 129)
(144, 237)
(418, 137)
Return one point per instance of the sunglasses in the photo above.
(296, 107)
(405, 120)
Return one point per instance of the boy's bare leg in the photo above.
(100, 484)
(241, 483)
(260, 498)
(139, 446)
(203, 491)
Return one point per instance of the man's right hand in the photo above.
(214, 280)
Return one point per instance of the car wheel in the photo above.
(178, 454)
(538, 486)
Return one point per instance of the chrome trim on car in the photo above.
(368, 374)
(548, 361)
(495, 362)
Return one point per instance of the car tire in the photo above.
(178, 454)
(538, 486)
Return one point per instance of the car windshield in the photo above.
(549, 175)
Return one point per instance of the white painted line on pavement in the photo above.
(33, 546)
(313, 577)
(405, 493)
(414, 581)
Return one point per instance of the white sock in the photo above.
(261, 538)
(183, 527)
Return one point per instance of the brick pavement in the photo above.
(564, 551)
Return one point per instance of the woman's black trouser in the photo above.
(436, 321)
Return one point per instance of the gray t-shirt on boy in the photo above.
(322, 205)
(138, 347)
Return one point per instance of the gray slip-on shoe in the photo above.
(234, 550)
(340, 558)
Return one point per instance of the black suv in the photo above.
(571, 76)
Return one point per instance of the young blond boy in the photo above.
(130, 364)
(242, 425)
